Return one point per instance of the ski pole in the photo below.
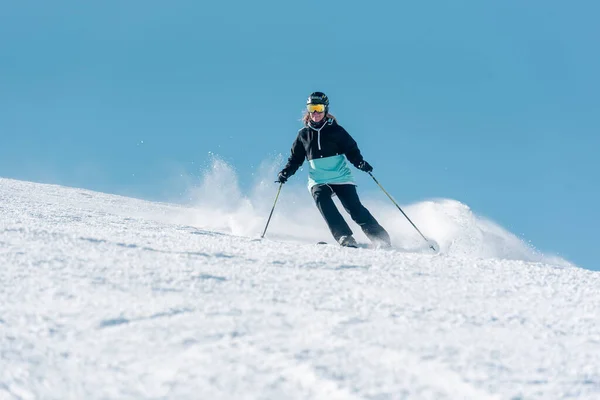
(403, 213)
(272, 209)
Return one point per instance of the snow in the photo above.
(103, 296)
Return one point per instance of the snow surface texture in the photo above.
(104, 296)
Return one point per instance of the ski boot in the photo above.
(347, 241)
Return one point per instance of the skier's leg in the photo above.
(336, 223)
(359, 213)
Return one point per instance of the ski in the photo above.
(358, 245)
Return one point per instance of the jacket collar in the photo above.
(320, 125)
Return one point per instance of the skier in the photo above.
(326, 145)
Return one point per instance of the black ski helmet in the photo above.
(318, 98)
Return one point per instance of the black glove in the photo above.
(364, 166)
(282, 177)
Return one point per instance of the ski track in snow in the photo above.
(104, 296)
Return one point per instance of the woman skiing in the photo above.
(326, 145)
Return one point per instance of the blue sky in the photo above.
(494, 104)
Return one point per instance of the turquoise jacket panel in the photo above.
(332, 170)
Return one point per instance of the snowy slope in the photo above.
(104, 296)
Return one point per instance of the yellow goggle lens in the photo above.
(315, 108)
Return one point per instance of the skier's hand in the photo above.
(282, 177)
(364, 166)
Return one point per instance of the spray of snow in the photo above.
(220, 205)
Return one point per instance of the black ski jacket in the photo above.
(324, 146)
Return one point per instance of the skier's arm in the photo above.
(297, 155)
(351, 149)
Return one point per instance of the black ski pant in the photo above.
(349, 199)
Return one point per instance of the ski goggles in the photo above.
(315, 108)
